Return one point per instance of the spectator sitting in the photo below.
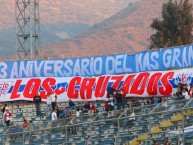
(159, 100)
(137, 103)
(179, 92)
(149, 101)
(179, 97)
(166, 142)
(164, 102)
(152, 100)
(132, 116)
(79, 106)
(111, 108)
(185, 87)
(106, 106)
(111, 104)
(86, 107)
(180, 86)
(54, 115)
(154, 142)
(31, 126)
(62, 113)
(78, 112)
(185, 94)
(92, 109)
(155, 102)
(25, 123)
(71, 104)
(68, 112)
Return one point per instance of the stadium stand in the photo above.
(148, 124)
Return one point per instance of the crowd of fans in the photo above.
(183, 92)
(115, 99)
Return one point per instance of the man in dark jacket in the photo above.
(119, 99)
(37, 101)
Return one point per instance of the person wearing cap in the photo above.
(7, 117)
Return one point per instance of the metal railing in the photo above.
(149, 122)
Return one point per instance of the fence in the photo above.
(167, 120)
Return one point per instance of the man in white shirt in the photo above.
(49, 106)
(185, 94)
(54, 115)
(53, 100)
(132, 116)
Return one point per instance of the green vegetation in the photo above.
(175, 27)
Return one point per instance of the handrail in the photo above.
(188, 103)
(93, 120)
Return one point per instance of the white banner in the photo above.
(157, 83)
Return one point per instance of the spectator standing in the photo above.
(37, 101)
(123, 95)
(3, 110)
(185, 94)
(49, 106)
(110, 91)
(73, 127)
(7, 117)
(58, 112)
(119, 99)
(5, 107)
(86, 107)
(54, 115)
(54, 100)
(71, 104)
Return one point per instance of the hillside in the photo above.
(126, 31)
(60, 19)
(86, 28)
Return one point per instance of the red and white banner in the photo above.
(157, 83)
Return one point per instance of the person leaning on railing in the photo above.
(71, 104)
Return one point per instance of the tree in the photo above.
(175, 27)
